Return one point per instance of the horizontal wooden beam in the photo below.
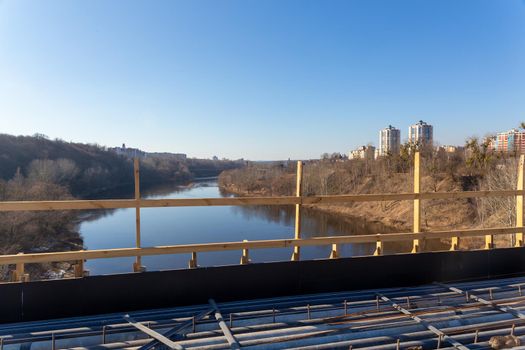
(68, 205)
(261, 244)
(241, 201)
(143, 203)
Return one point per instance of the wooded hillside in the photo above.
(88, 170)
(35, 168)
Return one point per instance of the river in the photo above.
(185, 225)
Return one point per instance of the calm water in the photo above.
(183, 225)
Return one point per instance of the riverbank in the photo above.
(436, 214)
(342, 178)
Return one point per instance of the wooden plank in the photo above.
(18, 276)
(519, 203)
(232, 341)
(67, 205)
(489, 241)
(20, 271)
(379, 248)
(192, 264)
(417, 205)
(241, 201)
(137, 266)
(177, 330)
(334, 254)
(298, 193)
(454, 243)
(230, 201)
(329, 199)
(79, 268)
(261, 244)
(245, 257)
(155, 335)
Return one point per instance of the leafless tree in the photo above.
(499, 211)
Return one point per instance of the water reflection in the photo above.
(316, 223)
(185, 225)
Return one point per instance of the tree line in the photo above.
(88, 169)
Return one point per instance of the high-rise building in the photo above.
(510, 141)
(389, 141)
(421, 133)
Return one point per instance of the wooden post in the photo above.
(334, 254)
(519, 203)
(19, 274)
(245, 258)
(454, 243)
(79, 268)
(417, 205)
(193, 261)
(297, 251)
(137, 266)
(489, 241)
(379, 248)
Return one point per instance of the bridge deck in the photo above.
(454, 315)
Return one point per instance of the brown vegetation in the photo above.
(36, 231)
(91, 170)
(474, 168)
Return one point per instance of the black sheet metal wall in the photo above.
(135, 291)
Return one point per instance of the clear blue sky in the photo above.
(259, 79)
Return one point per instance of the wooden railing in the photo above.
(416, 236)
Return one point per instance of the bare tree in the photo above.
(499, 211)
(60, 171)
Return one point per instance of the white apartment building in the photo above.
(389, 141)
(421, 133)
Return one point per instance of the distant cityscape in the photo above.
(422, 134)
(419, 134)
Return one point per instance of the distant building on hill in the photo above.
(389, 141)
(128, 152)
(363, 152)
(421, 133)
(137, 153)
(167, 155)
(510, 141)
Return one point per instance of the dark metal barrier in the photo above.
(135, 291)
